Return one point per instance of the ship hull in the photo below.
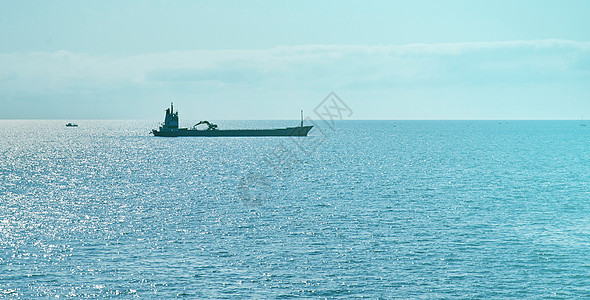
(289, 131)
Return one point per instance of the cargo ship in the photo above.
(170, 129)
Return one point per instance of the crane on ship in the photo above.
(210, 126)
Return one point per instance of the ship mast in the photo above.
(302, 118)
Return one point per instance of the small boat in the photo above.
(170, 129)
(71, 125)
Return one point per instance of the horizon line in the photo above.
(139, 119)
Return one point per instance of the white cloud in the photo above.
(408, 63)
(309, 67)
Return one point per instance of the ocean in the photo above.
(359, 209)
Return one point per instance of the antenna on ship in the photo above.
(302, 118)
(171, 107)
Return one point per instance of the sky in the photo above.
(269, 59)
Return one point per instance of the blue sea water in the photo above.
(363, 209)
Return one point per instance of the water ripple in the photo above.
(385, 209)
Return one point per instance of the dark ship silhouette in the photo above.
(170, 129)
